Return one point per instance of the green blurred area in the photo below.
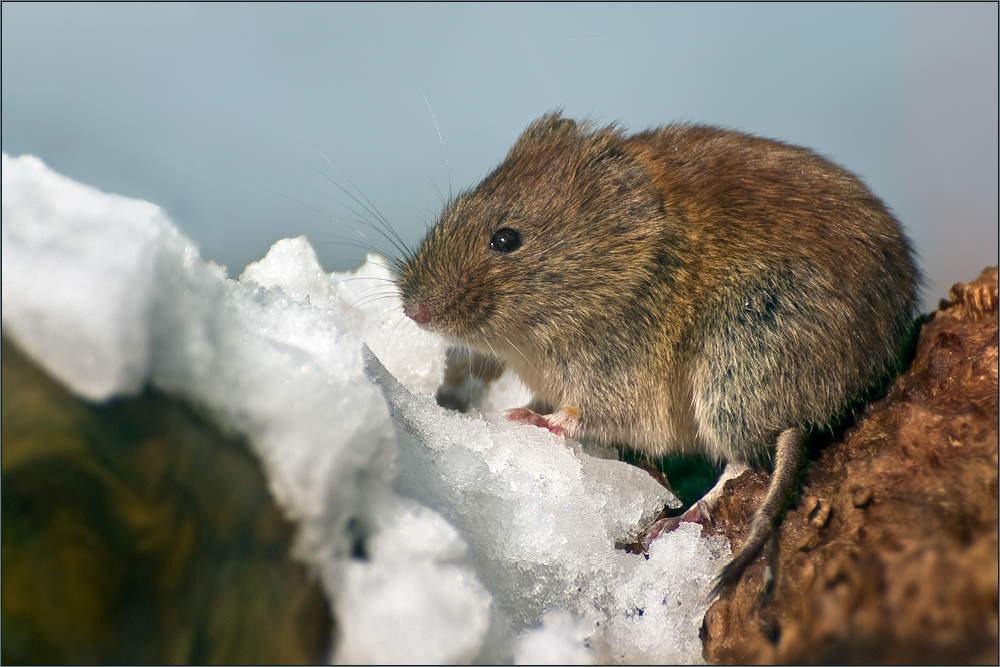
(135, 532)
(689, 477)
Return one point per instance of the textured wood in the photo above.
(135, 532)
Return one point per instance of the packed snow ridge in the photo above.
(480, 540)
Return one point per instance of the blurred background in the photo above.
(222, 113)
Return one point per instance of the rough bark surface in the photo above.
(889, 554)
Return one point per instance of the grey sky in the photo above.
(209, 110)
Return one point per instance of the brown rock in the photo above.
(890, 553)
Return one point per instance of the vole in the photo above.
(686, 289)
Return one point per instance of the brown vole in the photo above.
(686, 289)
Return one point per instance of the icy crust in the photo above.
(439, 537)
(542, 521)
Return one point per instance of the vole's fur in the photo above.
(687, 289)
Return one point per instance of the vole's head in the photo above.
(555, 237)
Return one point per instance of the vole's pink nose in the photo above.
(419, 313)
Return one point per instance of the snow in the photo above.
(463, 537)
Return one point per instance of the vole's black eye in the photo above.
(505, 240)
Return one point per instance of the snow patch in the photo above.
(462, 537)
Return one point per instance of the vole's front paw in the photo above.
(565, 423)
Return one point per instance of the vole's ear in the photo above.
(550, 126)
(616, 184)
(606, 163)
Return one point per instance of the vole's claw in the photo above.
(700, 512)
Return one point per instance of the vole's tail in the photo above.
(786, 464)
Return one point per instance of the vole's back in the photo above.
(802, 283)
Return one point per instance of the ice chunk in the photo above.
(559, 641)
(291, 266)
(403, 529)
(655, 615)
(410, 613)
(542, 521)
(410, 596)
(366, 304)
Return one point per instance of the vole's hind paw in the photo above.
(565, 423)
(698, 513)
